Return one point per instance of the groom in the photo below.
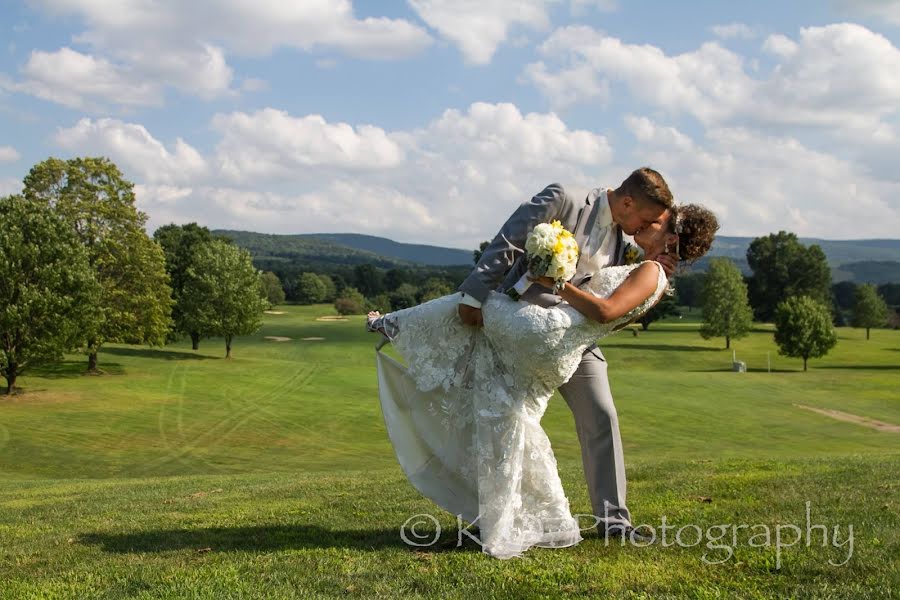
(597, 218)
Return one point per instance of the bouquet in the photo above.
(550, 251)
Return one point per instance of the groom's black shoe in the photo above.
(626, 532)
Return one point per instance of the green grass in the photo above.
(277, 461)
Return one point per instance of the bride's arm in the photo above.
(640, 285)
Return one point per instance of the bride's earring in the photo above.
(667, 248)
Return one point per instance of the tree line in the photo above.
(78, 270)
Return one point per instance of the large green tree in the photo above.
(274, 289)
(782, 268)
(179, 242)
(310, 289)
(224, 295)
(726, 310)
(870, 309)
(135, 302)
(803, 328)
(47, 288)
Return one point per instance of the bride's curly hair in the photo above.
(696, 227)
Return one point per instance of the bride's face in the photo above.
(653, 239)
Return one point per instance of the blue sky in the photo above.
(429, 121)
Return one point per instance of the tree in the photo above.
(726, 310)
(47, 287)
(663, 309)
(330, 287)
(803, 328)
(434, 287)
(844, 295)
(310, 289)
(179, 243)
(782, 268)
(350, 302)
(689, 289)
(369, 280)
(870, 309)
(476, 254)
(394, 278)
(891, 293)
(273, 287)
(224, 295)
(136, 302)
(404, 297)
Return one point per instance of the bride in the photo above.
(464, 414)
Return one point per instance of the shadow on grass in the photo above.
(70, 369)
(156, 353)
(861, 367)
(660, 347)
(749, 370)
(265, 538)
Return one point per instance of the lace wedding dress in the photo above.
(464, 414)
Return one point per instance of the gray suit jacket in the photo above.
(502, 264)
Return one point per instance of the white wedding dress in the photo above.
(464, 414)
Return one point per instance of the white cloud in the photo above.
(9, 154)
(758, 183)
(580, 83)
(816, 81)
(271, 143)
(78, 80)
(734, 31)
(138, 47)
(135, 151)
(452, 181)
(705, 83)
(478, 27)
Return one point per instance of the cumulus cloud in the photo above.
(78, 80)
(759, 183)
(478, 27)
(9, 154)
(816, 81)
(271, 143)
(136, 151)
(138, 48)
(452, 181)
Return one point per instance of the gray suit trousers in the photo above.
(590, 399)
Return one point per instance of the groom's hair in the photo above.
(647, 186)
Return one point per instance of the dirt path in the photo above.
(850, 418)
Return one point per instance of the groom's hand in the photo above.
(470, 315)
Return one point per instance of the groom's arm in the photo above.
(509, 243)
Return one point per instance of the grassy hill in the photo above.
(179, 473)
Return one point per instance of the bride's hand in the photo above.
(547, 282)
(668, 262)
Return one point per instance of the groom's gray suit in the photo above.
(587, 393)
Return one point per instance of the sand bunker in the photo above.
(277, 338)
(312, 339)
(851, 418)
(331, 318)
(274, 312)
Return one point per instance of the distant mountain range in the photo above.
(875, 261)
